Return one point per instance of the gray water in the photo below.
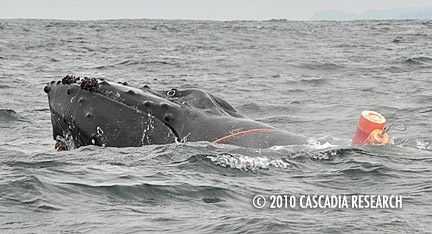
(311, 78)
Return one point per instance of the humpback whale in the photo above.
(90, 111)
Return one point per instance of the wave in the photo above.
(26, 191)
(42, 110)
(426, 110)
(154, 192)
(363, 169)
(136, 62)
(418, 61)
(35, 164)
(141, 62)
(395, 69)
(321, 66)
(314, 81)
(9, 115)
(397, 40)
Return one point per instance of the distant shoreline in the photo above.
(393, 14)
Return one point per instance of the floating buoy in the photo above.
(370, 129)
(377, 136)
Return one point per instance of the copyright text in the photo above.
(328, 201)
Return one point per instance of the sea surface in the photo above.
(310, 78)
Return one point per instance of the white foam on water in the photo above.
(423, 145)
(316, 144)
(247, 163)
(312, 144)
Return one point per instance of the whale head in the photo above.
(95, 111)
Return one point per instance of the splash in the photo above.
(316, 144)
(149, 127)
(325, 148)
(67, 140)
(246, 163)
(423, 145)
(312, 144)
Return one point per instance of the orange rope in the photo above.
(242, 132)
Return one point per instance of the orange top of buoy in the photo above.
(369, 128)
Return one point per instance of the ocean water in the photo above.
(311, 78)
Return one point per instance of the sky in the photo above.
(192, 9)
